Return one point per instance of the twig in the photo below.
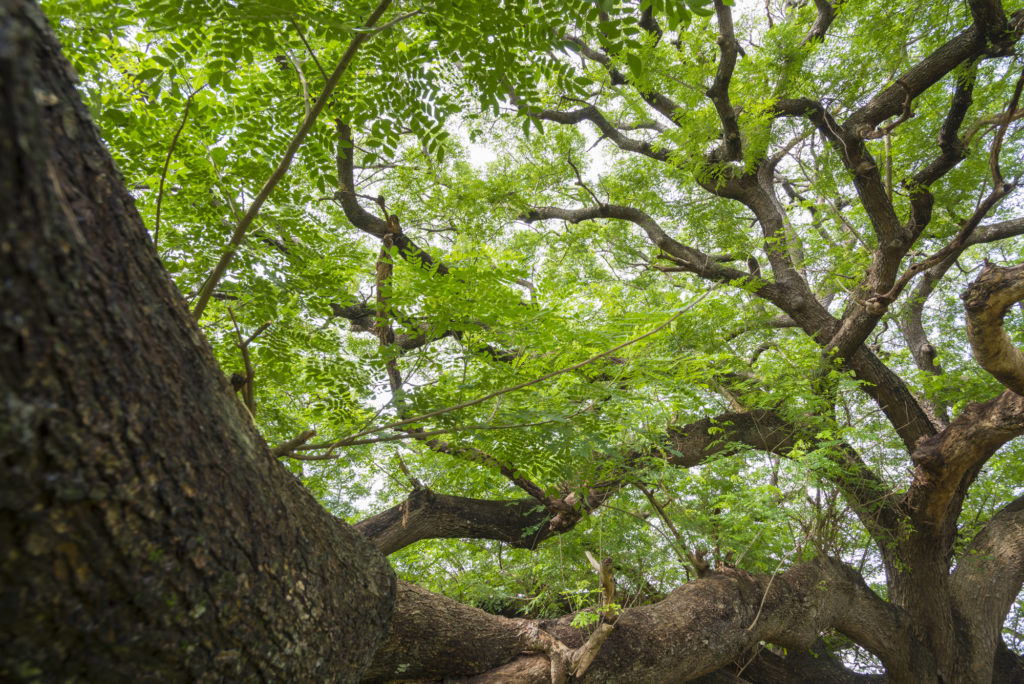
(282, 168)
(420, 435)
(585, 654)
(167, 164)
(664, 516)
(473, 402)
(767, 588)
(302, 79)
(248, 388)
(579, 181)
(312, 54)
(393, 22)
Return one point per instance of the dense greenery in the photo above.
(457, 110)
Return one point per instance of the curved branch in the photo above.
(661, 103)
(364, 220)
(525, 523)
(912, 325)
(426, 514)
(358, 38)
(822, 22)
(700, 627)
(987, 300)
(952, 151)
(765, 430)
(607, 128)
(967, 45)
(880, 383)
(684, 256)
(719, 90)
(947, 463)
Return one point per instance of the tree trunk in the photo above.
(145, 532)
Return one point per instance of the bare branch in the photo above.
(608, 130)
(719, 90)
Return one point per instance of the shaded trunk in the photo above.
(703, 626)
(146, 533)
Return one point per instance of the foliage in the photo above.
(214, 91)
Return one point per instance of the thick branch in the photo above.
(987, 301)
(822, 22)
(989, 16)
(426, 514)
(608, 130)
(719, 90)
(994, 232)
(965, 46)
(985, 584)
(765, 430)
(947, 463)
(699, 628)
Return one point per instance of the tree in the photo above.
(700, 317)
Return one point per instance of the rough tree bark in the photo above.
(145, 532)
(147, 535)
